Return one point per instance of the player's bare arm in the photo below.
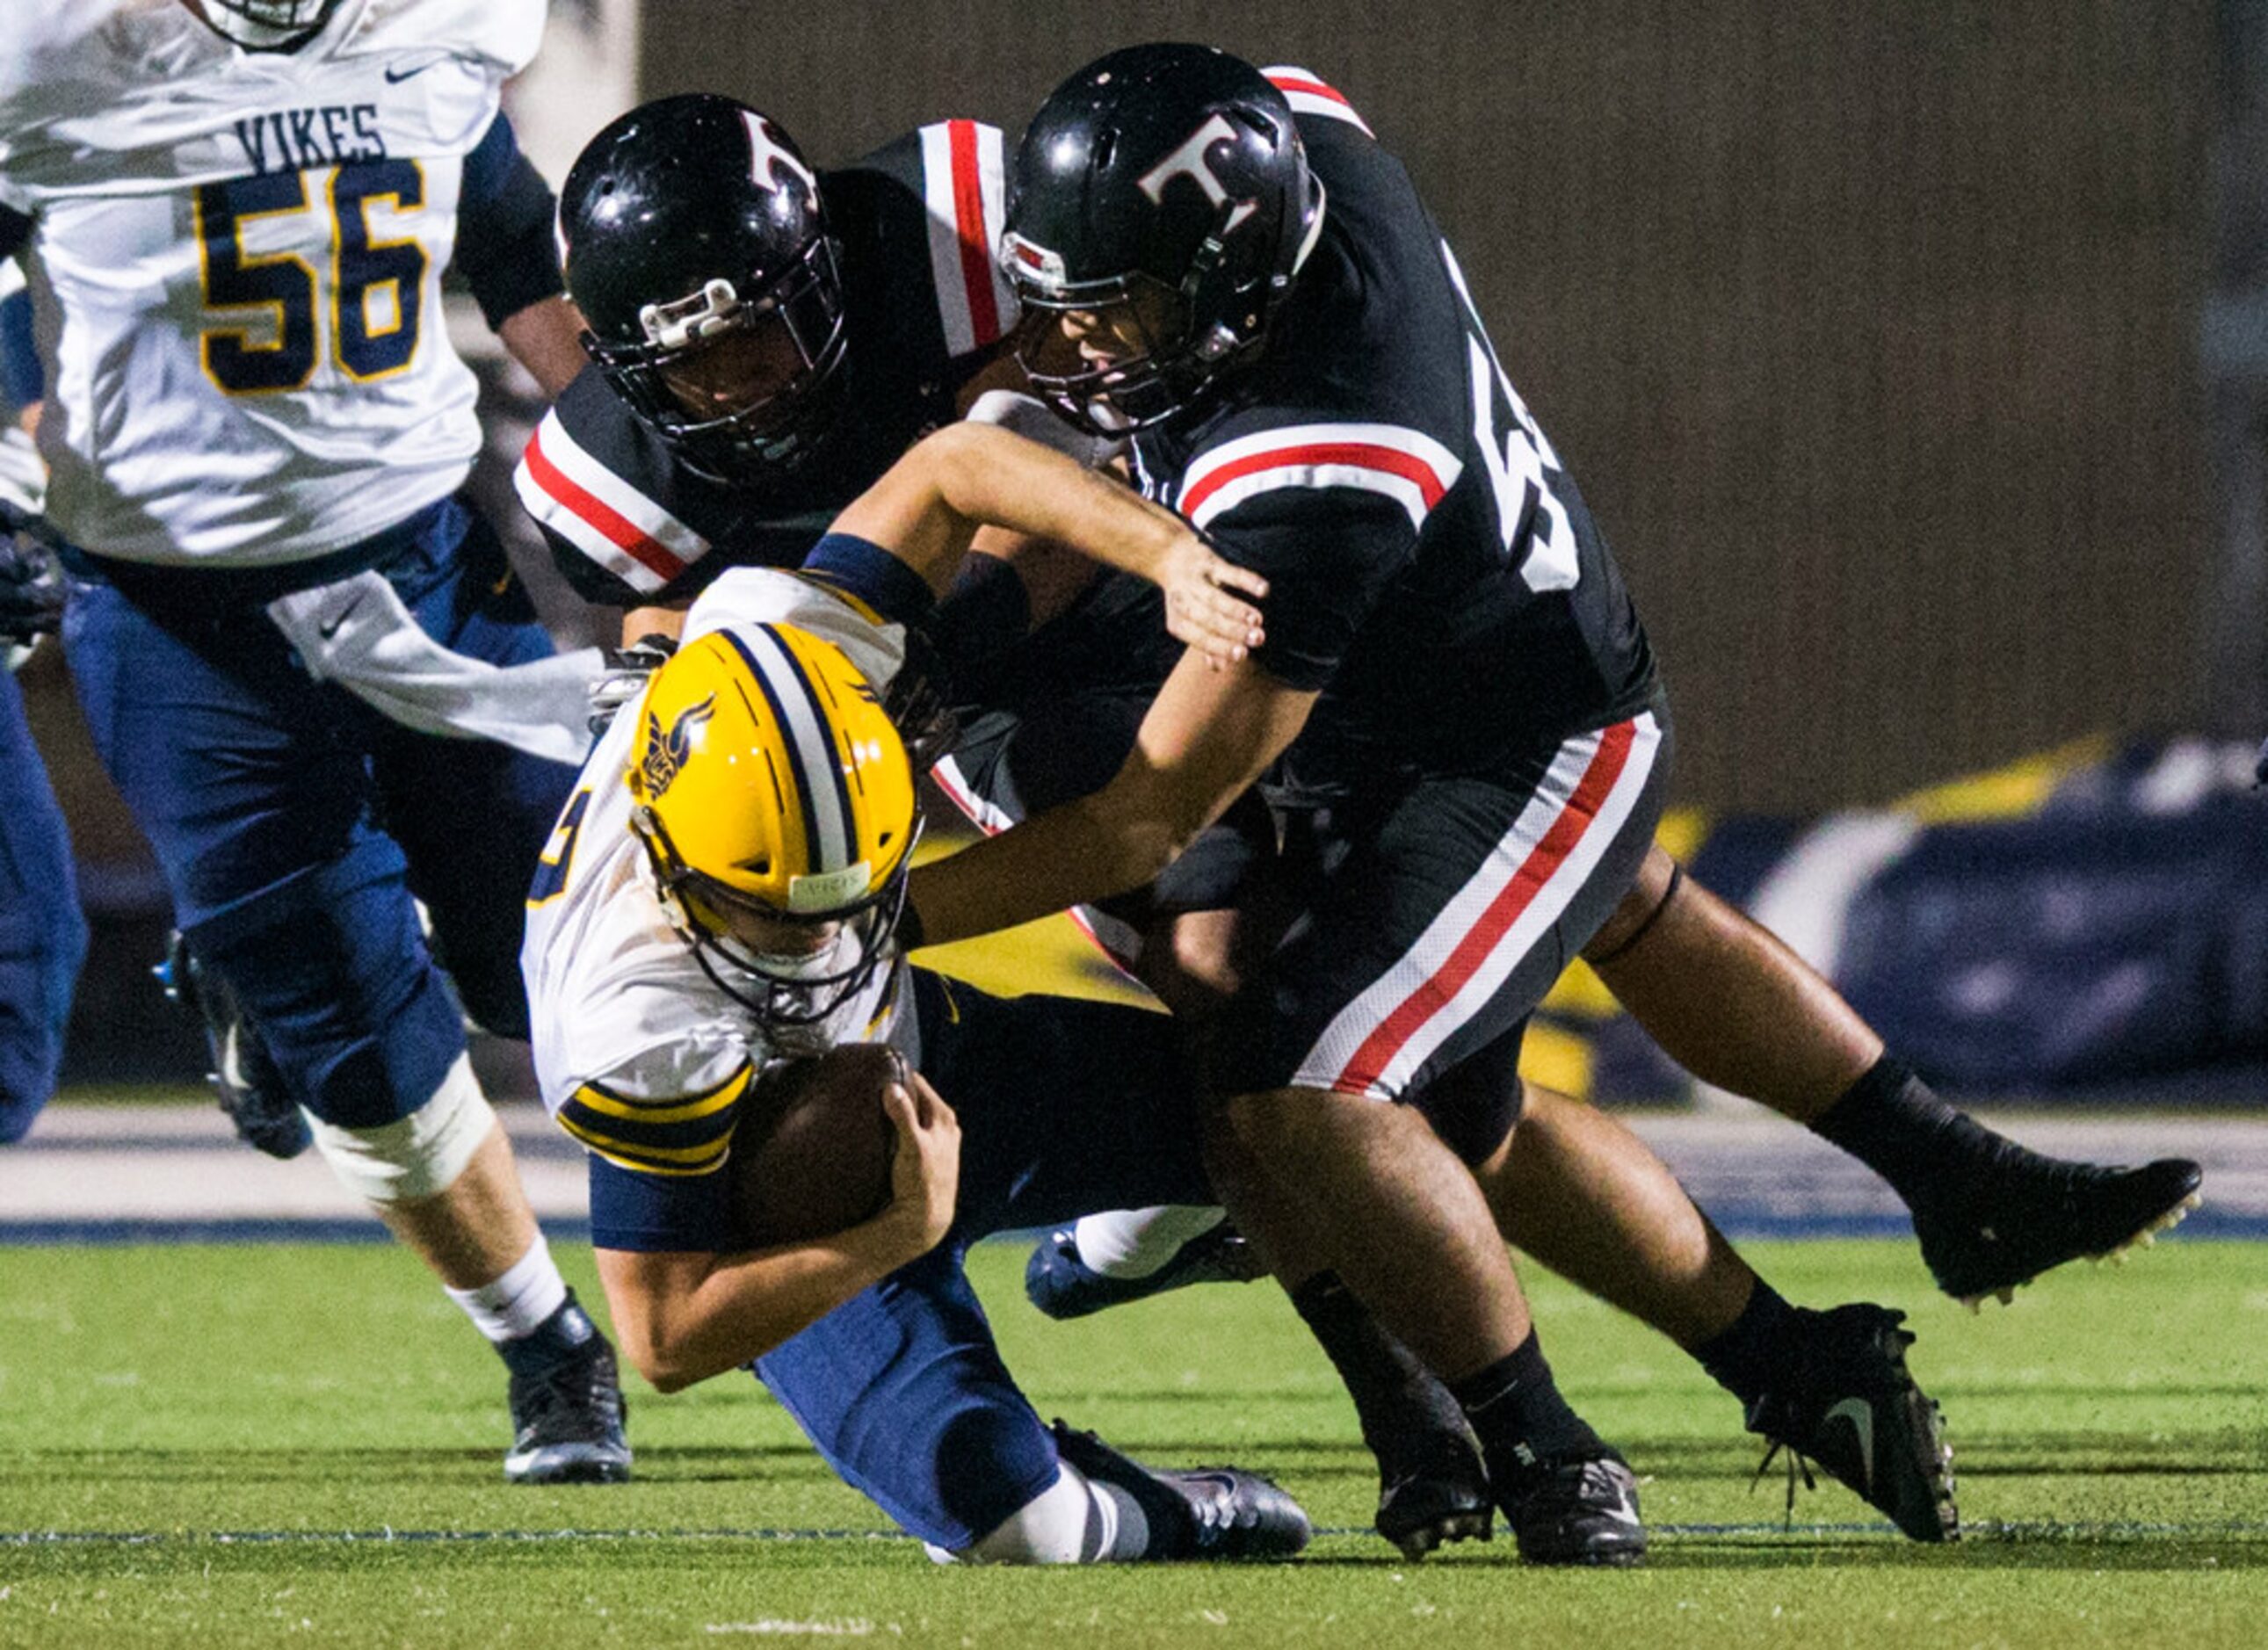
(546, 338)
(1208, 736)
(684, 1317)
(931, 503)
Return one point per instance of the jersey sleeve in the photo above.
(673, 1133)
(1310, 95)
(1329, 514)
(658, 1214)
(611, 499)
(505, 247)
(947, 185)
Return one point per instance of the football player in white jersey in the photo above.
(235, 215)
(722, 890)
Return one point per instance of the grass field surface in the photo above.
(264, 1445)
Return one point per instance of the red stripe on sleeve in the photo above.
(1353, 455)
(1289, 84)
(1543, 862)
(969, 223)
(640, 546)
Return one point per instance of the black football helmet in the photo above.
(267, 26)
(695, 244)
(1162, 197)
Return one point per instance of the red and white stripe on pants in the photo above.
(1381, 1039)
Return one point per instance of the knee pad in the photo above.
(1065, 1523)
(415, 1156)
(334, 972)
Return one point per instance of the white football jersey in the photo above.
(236, 266)
(622, 1013)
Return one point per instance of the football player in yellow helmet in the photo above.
(789, 908)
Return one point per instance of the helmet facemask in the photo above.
(1116, 355)
(811, 976)
(267, 26)
(788, 334)
(1168, 344)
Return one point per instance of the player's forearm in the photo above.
(968, 476)
(991, 477)
(742, 1306)
(546, 339)
(1072, 855)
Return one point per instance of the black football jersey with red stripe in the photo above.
(925, 308)
(1433, 569)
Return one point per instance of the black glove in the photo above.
(625, 674)
(919, 703)
(33, 583)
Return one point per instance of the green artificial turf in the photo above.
(249, 1445)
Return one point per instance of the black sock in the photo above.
(1406, 1412)
(1517, 1413)
(1890, 1121)
(558, 1338)
(1751, 1354)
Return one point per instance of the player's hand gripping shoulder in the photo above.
(925, 1172)
(1203, 610)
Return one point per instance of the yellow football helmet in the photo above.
(776, 803)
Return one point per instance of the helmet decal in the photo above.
(830, 826)
(666, 753)
(767, 157)
(775, 802)
(1188, 161)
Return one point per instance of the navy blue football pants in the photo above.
(42, 935)
(293, 823)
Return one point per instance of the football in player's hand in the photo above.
(811, 1155)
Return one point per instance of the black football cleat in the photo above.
(1848, 1404)
(1575, 1510)
(1443, 1496)
(1062, 1286)
(243, 1077)
(2022, 1214)
(1206, 1513)
(567, 1421)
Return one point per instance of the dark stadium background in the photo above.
(1908, 354)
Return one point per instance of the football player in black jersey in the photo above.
(1457, 720)
(767, 339)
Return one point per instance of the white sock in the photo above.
(518, 1303)
(1136, 1243)
(1076, 1520)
